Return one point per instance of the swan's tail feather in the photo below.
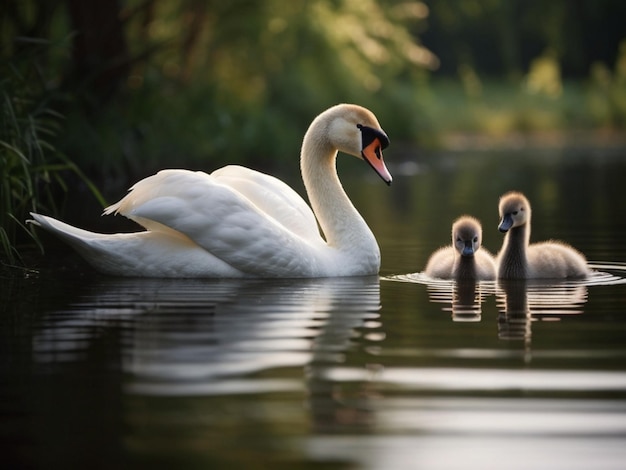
(66, 232)
(144, 253)
(95, 248)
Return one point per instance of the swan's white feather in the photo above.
(139, 253)
(247, 238)
(272, 196)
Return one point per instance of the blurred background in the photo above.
(98, 94)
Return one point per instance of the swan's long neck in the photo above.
(343, 227)
(513, 262)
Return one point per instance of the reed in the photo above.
(32, 169)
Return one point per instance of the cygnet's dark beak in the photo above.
(506, 223)
(468, 249)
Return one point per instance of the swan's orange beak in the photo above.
(373, 154)
(373, 142)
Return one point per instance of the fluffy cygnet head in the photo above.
(514, 211)
(467, 235)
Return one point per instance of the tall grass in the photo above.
(32, 170)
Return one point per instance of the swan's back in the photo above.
(272, 196)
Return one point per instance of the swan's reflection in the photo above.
(185, 337)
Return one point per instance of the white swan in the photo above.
(237, 222)
(520, 260)
(464, 259)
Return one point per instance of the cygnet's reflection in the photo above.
(521, 301)
(184, 337)
(467, 299)
(462, 298)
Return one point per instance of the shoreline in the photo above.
(547, 140)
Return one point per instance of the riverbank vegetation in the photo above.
(97, 94)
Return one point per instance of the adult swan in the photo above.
(237, 222)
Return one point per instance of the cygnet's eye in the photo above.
(514, 212)
(475, 239)
(458, 239)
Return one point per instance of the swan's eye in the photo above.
(514, 212)
(475, 239)
(458, 239)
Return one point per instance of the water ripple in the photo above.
(188, 337)
(604, 274)
(488, 380)
(517, 300)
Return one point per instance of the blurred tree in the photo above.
(502, 37)
(100, 56)
(243, 43)
(243, 69)
(198, 77)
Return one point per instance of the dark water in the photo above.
(373, 373)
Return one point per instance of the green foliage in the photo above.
(32, 170)
(606, 97)
(240, 81)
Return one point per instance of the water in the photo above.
(393, 372)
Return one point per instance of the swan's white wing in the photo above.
(272, 196)
(147, 253)
(221, 221)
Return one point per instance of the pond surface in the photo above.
(389, 372)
